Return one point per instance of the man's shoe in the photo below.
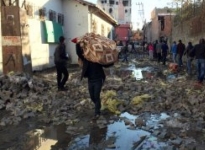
(62, 89)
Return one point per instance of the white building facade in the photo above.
(48, 19)
(118, 9)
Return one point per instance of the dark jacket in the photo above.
(188, 50)
(60, 55)
(180, 49)
(164, 48)
(92, 71)
(199, 51)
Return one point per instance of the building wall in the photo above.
(148, 32)
(102, 24)
(118, 10)
(77, 21)
(42, 52)
(77, 24)
(156, 31)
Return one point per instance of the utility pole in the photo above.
(141, 13)
(141, 10)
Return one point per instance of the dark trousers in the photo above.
(159, 57)
(201, 69)
(125, 57)
(62, 75)
(94, 88)
(164, 58)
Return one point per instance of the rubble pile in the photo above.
(22, 97)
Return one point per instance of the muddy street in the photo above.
(144, 107)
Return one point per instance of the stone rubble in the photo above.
(23, 98)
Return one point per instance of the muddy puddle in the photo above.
(136, 72)
(123, 132)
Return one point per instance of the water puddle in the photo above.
(119, 133)
(140, 73)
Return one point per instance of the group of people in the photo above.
(158, 50)
(191, 52)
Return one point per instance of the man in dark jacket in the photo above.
(96, 77)
(164, 52)
(60, 60)
(180, 52)
(199, 53)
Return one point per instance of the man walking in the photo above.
(174, 51)
(164, 52)
(60, 60)
(158, 50)
(180, 52)
(199, 53)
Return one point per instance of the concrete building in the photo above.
(46, 20)
(160, 27)
(121, 11)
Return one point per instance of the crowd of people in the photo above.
(178, 51)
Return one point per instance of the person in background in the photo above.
(164, 52)
(155, 52)
(120, 43)
(60, 60)
(125, 53)
(158, 50)
(174, 51)
(199, 54)
(95, 74)
(189, 58)
(151, 50)
(180, 52)
(133, 47)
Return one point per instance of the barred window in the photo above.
(42, 13)
(52, 15)
(61, 19)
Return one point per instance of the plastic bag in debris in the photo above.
(139, 99)
(110, 102)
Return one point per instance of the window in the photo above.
(112, 2)
(110, 10)
(52, 15)
(125, 10)
(116, 3)
(42, 13)
(125, 3)
(61, 19)
(162, 24)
